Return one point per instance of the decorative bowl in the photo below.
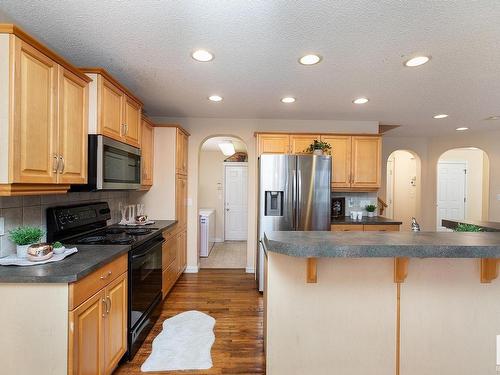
(39, 252)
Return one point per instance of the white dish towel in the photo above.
(14, 260)
(183, 344)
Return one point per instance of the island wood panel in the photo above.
(34, 128)
(341, 160)
(449, 320)
(346, 323)
(300, 142)
(73, 128)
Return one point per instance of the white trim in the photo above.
(250, 269)
(4, 107)
(218, 240)
(192, 269)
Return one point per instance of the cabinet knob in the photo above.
(55, 163)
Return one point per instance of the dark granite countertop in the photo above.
(76, 266)
(377, 220)
(488, 226)
(384, 244)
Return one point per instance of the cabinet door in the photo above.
(115, 323)
(181, 152)
(366, 162)
(299, 143)
(341, 160)
(381, 228)
(169, 252)
(73, 128)
(132, 122)
(181, 252)
(110, 107)
(273, 144)
(147, 153)
(86, 337)
(34, 141)
(181, 201)
(346, 228)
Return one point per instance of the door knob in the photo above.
(227, 209)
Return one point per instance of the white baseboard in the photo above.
(191, 269)
(250, 270)
(218, 240)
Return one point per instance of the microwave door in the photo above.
(120, 166)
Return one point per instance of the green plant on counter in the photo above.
(370, 208)
(26, 235)
(57, 245)
(319, 145)
(468, 228)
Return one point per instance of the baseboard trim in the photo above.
(250, 270)
(191, 269)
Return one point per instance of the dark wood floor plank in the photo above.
(230, 296)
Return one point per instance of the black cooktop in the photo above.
(113, 235)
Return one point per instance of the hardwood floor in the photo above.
(231, 298)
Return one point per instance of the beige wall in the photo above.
(204, 128)
(211, 189)
(476, 178)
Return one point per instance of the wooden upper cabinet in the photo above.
(115, 323)
(73, 128)
(34, 140)
(273, 144)
(110, 109)
(366, 162)
(299, 143)
(181, 154)
(341, 159)
(86, 337)
(147, 153)
(132, 122)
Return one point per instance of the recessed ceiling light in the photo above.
(493, 118)
(202, 55)
(288, 99)
(442, 115)
(310, 59)
(215, 98)
(360, 101)
(461, 129)
(417, 61)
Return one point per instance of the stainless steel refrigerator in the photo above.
(294, 194)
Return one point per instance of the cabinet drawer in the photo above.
(381, 228)
(346, 228)
(83, 289)
(169, 252)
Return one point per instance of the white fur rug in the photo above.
(183, 344)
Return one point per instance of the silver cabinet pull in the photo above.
(103, 277)
(55, 163)
(110, 304)
(105, 307)
(61, 164)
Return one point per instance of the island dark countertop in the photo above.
(76, 266)
(377, 220)
(384, 244)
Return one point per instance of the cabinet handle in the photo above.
(110, 304)
(103, 277)
(61, 164)
(125, 128)
(105, 307)
(55, 163)
(122, 130)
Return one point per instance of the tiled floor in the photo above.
(229, 254)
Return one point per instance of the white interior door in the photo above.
(235, 201)
(390, 188)
(451, 191)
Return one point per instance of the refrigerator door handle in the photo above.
(298, 200)
(294, 199)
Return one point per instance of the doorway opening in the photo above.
(403, 187)
(222, 202)
(462, 185)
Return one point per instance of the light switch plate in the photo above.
(498, 197)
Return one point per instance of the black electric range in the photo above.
(86, 224)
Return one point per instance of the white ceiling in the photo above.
(212, 144)
(147, 44)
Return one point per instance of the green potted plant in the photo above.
(58, 247)
(319, 148)
(23, 237)
(371, 208)
(468, 228)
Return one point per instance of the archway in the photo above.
(462, 185)
(222, 202)
(403, 187)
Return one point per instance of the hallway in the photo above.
(228, 254)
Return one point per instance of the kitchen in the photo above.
(125, 99)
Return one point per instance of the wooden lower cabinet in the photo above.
(98, 330)
(346, 227)
(173, 258)
(381, 228)
(364, 228)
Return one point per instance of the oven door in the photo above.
(144, 279)
(118, 165)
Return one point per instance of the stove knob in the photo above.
(71, 218)
(62, 219)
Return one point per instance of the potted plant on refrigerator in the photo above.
(371, 208)
(319, 148)
(23, 237)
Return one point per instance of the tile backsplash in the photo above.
(357, 201)
(31, 210)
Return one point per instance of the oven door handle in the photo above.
(147, 251)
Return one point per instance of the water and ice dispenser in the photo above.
(274, 203)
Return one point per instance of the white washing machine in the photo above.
(207, 231)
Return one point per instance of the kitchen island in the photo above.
(381, 303)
